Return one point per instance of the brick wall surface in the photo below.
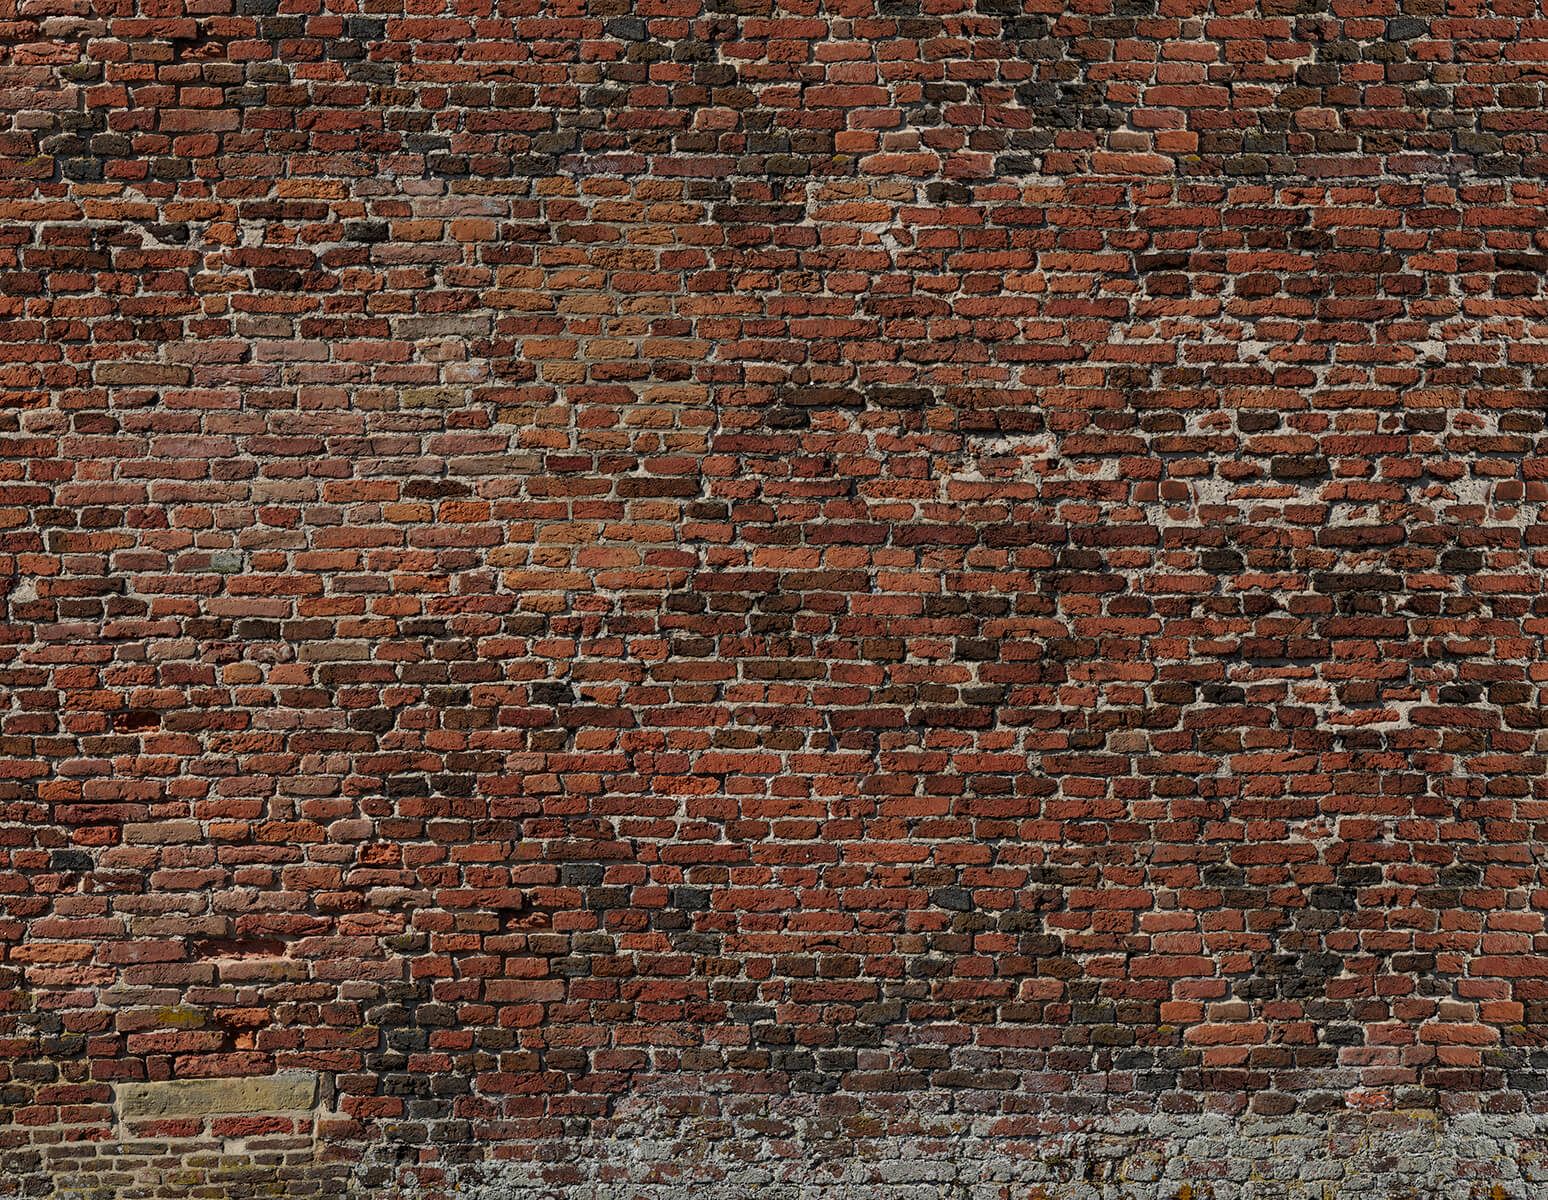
(890, 599)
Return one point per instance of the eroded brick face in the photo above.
(856, 599)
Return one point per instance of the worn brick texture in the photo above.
(803, 599)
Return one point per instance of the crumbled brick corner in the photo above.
(854, 599)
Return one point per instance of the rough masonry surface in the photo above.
(819, 600)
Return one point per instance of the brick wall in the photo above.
(858, 599)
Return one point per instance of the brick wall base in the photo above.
(909, 1147)
(797, 1150)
